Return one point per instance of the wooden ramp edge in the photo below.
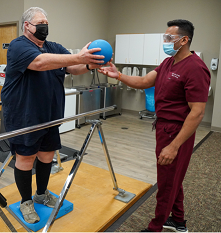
(92, 194)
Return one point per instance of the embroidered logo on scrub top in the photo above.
(175, 75)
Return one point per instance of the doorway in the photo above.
(8, 32)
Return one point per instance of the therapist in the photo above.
(33, 93)
(181, 91)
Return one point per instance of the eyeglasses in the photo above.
(169, 38)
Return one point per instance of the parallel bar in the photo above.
(6, 221)
(70, 93)
(18, 219)
(76, 165)
(74, 93)
(52, 123)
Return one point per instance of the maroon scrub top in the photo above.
(176, 85)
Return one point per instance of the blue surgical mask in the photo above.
(168, 48)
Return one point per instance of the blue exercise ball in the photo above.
(106, 49)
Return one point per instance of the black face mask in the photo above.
(41, 31)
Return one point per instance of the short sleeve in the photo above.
(53, 47)
(157, 69)
(20, 55)
(197, 84)
(63, 50)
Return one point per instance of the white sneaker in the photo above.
(28, 211)
(47, 199)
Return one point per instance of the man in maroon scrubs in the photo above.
(181, 91)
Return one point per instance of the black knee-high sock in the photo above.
(43, 171)
(23, 181)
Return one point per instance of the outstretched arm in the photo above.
(49, 61)
(137, 82)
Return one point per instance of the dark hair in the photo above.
(186, 28)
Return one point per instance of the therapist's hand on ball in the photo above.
(86, 55)
(94, 66)
(110, 71)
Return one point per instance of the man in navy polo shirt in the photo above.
(33, 93)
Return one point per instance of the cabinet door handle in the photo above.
(125, 60)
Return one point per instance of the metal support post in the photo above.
(58, 167)
(6, 162)
(123, 195)
(69, 180)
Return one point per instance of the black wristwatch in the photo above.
(89, 68)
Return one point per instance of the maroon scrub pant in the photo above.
(170, 177)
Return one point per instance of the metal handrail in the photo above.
(69, 93)
(53, 123)
(74, 93)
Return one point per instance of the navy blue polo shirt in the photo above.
(31, 97)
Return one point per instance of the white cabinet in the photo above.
(151, 49)
(139, 49)
(129, 49)
(122, 49)
(70, 110)
(136, 48)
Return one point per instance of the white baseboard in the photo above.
(216, 129)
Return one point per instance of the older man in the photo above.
(33, 93)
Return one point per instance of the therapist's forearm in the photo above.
(132, 81)
(139, 82)
(189, 127)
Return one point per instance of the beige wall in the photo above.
(73, 23)
(11, 11)
(216, 120)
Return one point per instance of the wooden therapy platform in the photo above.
(92, 194)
